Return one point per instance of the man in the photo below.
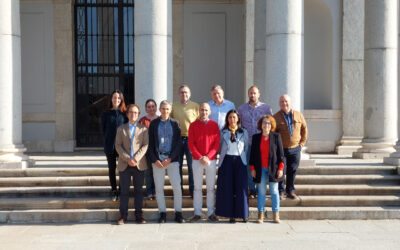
(164, 149)
(131, 143)
(250, 113)
(219, 106)
(203, 142)
(185, 112)
(292, 127)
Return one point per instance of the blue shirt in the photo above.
(165, 134)
(218, 112)
(132, 129)
(289, 121)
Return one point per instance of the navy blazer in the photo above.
(176, 146)
(110, 121)
(276, 155)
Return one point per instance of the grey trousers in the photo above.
(159, 180)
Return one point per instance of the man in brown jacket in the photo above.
(131, 144)
(292, 127)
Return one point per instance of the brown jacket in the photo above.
(299, 135)
(123, 146)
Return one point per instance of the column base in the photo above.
(371, 150)
(13, 157)
(348, 145)
(394, 158)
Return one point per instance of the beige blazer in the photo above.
(123, 146)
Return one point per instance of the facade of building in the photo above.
(60, 59)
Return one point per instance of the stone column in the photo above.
(249, 70)
(259, 50)
(153, 50)
(380, 74)
(352, 76)
(394, 158)
(11, 148)
(284, 51)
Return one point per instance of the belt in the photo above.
(184, 137)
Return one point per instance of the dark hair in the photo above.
(150, 100)
(122, 105)
(183, 86)
(271, 120)
(239, 123)
(131, 106)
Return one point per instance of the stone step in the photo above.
(103, 180)
(103, 171)
(103, 191)
(151, 215)
(187, 202)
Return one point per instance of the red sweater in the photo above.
(264, 149)
(204, 139)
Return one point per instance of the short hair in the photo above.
(150, 100)
(253, 86)
(184, 86)
(216, 87)
(239, 123)
(131, 106)
(122, 105)
(271, 120)
(165, 102)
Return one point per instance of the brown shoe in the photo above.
(292, 195)
(276, 218)
(260, 219)
(122, 220)
(195, 218)
(139, 219)
(281, 196)
(213, 218)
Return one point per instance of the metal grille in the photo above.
(103, 62)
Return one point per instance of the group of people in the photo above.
(254, 146)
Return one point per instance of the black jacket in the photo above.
(110, 121)
(276, 155)
(176, 146)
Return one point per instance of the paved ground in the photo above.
(326, 234)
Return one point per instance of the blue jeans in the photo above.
(185, 151)
(252, 185)
(262, 190)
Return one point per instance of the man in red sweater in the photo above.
(203, 143)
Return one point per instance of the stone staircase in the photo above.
(73, 187)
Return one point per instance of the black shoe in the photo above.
(163, 217)
(245, 220)
(114, 195)
(232, 220)
(179, 217)
(213, 218)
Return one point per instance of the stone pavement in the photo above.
(306, 234)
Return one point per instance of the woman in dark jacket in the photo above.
(113, 117)
(267, 164)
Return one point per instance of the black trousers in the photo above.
(125, 182)
(292, 156)
(112, 165)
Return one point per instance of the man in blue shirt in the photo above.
(219, 106)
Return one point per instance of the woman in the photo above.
(266, 164)
(113, 117)
(151, 109)
(231, 197)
